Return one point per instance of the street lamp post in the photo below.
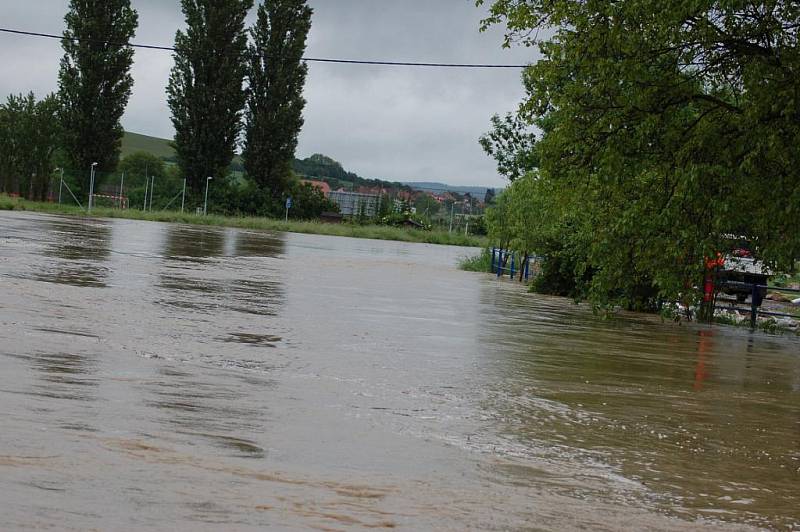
(452, 210)
(91, 187)
(60, 185)
(183, 195)
(205, 203)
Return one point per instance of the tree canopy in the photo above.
(666, 127)
(29, 137)
(276, 76)
(205, 93)
(95, 82)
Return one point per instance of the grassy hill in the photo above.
(315, 167)
(133, 142)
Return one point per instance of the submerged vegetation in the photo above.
(477, 263)
(378, 232)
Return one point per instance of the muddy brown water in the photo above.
(157, 376)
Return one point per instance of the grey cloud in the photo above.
(389, 122)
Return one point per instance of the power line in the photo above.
(309, 59)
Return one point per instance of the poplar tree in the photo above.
(205, 91)
(95, 82)
(276, 76)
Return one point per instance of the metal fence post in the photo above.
(499, 263)
(492, 267)
(512, 266)
(527, 267)
(753, 306)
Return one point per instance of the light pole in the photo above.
(91, 187)
(152, 188)
(60, 185)
(183, 195)
(205, 203)
(452, 209)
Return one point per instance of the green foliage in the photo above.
(95, 83)
(276, 76)
(666, 125)
(511, 144)
(477, 225)
(309, 202)
(397, 219)
(29, 138)
(205, 93)
(144, 171)
(427, 206)
(140, 164)
(477, 263)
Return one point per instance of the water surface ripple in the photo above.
(158, 376)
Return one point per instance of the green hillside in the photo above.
(133, 142)
(315, 167)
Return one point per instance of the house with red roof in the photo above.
(322, 185)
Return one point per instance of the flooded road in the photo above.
(157, 376)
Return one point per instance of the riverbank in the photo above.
(378, 232)
(777, 301)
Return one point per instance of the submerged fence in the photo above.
(511, 262)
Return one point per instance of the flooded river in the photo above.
(157, 376)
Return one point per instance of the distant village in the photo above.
(371, 201)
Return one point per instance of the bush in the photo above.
(477, 263)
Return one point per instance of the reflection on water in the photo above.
(80, 251)
(210, 291)
(227, 379)
(195, 410)
(708, 419)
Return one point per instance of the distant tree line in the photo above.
(230, 86)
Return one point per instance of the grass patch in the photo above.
(378, 232)
(478, 263)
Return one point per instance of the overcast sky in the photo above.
(395, 123)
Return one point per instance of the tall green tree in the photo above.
(8, 150)
(276, 76)
(205, 91)
(667, 125)
(29, 138)
(95, 82)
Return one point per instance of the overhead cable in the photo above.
(309, 59)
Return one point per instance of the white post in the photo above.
(152, 188)
(183, 195)
(60, 185)
(91, 187)
(144, 203)
(452, 208)
(205, 203)
(121, 185)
